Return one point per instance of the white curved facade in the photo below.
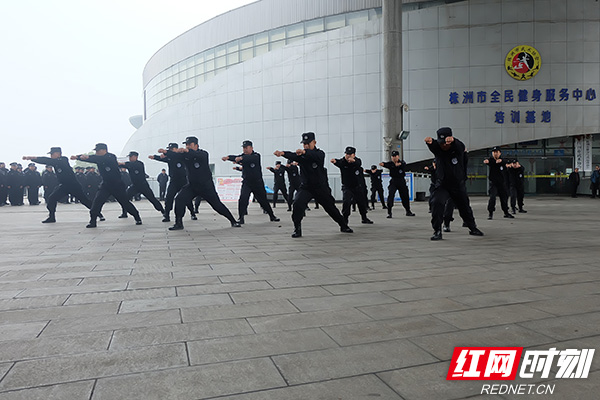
(330, 81)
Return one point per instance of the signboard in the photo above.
(587, 153)
(229, 188)
(409, 182)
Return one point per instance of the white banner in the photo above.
(587, 153)
(229, 188)
(578, 156)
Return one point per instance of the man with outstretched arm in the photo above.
(139, 184)
(352, 185)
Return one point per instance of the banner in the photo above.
(578, 155)
(587, 154)
(229, 188)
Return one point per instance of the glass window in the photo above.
(295, 30)
(246, 54)
(209, 75)
(233, 47)
(262, 49)
(314, 26)
(278, 44)
(220, 51)
(233, 58)
(209, 54)
(199, 79)
(335, 22)
(189, 63)
(375, 13)
(294, 39)
(358, 17)
(277, 34)
(247, 42)
(199, 69)
(220, 62)
(209, 65)
(261, 38)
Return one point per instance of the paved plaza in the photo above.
(139, 312)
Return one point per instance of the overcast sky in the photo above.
(71, 70)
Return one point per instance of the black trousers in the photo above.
(207, 192)
(174, 187)
(293, 189)
(119, 192)
(595, 187)
(260, 194)
(321, 196)
(63, 190)
(147, 192)
(377, 190)
(354, 195)
(517, 193)
(500, 191)
(162, 190)
(400, 186)
(3, 194)
(276, 188)
(15, 196)
(457, 194)
(33, 195)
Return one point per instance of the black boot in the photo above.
(437, 235)
(166, 218)
(138, 221)
(475, 232)
(177, 227)
(235, 224)
(366, 220)
(274, 218)
(101, 217)
(241, 220)
(491, 216)
(346, 229)
(447, 228)
(297, 231)
(92, 224)
(521, 210)
(508, 215)
(124, 215)
(49, 220)
(194, 218)
(410, 214)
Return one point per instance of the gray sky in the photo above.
(71, 70)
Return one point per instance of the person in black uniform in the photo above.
(353, 188)
(162, 180)
(293, 174)
(3, 189)
(574, 180)
(139, 184)
(67, 182)
(279, 185)
(497, 179)
(516, 181)
(252, 181)
(178, 179)
(82, 179)
(200, 182)
(111, 184)
(93, 181)
(397, 169)
(449, 207)
(376, 186)
(14, 185)
(314, 183)
(33, 182)
(49, 182)
(450, 178)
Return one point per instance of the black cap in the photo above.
(515, 160)
(443, 133)
(373, 166)
(173, 146)
(55, 150)
(191, 139)
(307, 137)
(395, 153)
(101, 146)
(88, 168)
(277, 162)
(31, 164)
(496, 148)
(350, 150)
(246, 143)
(13, 163)
(133, 153)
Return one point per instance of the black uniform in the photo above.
(50, 182)
(574, 180)
(93, 181)
(3, 188)
(353, 187)
(112, 185)
(293, 174)
(252, 183)
(200, 183)
(162, 180)
(139, 184)
(33, 182)
(178, 179)
(279, 184)
(67, 183)
(449, 207)
(516, 180)
(450, 179)
(313, 184)
(397, 183)
(497, 179)
(14, 183)
(376, 187)
(82, 179)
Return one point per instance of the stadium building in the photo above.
(521, 74)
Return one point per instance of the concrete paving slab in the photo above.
(71, 391)
(303, 320)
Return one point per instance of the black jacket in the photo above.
(352, 173)
(313, 175)
(32, 178)
(251, 168)
(293, 174)
(49, 180)
(397, 172)
(108, 167)
(162, 179)
(62, 169)
(196, 163)
(279, 175)
(497, 170)
(451, 164)
(376, 180)
(137, 172)
(177, 171)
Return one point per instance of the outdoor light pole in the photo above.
(392, 75)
